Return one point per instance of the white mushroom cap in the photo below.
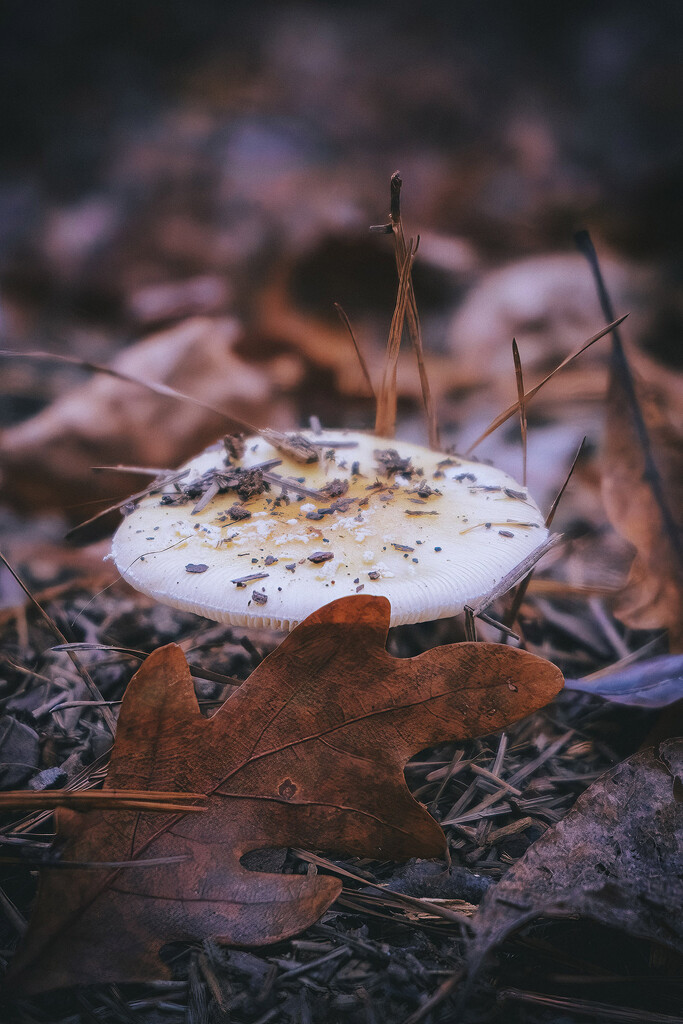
(432, 534)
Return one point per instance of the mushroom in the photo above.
(263, 530)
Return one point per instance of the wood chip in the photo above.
(320, 556)
(242, 580)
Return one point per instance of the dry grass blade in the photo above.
(503, 417)
(412, 317)
(385, 421)
(156, 388)
(522, 405)
(111, 800)
(361, 359)
(82, 671)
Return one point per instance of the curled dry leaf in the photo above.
(46, 461)
(616, 858)
(654, 683)
(308, 752)
(653, 596)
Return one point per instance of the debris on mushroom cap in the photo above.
(429, 531)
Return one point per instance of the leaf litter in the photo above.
(490, 785)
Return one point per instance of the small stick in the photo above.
(522, 406)
(361, 359)
(411, 901)
(553, 508)
(208, 496)
(587, 1007)
(288, 484)
(443, 992)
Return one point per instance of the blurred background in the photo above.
(186, 189)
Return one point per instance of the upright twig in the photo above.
(385, 420)
(395, 227)
(622, 382)
(412, 317)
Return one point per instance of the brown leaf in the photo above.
(653, 596)
(46, 461)
(616, 858)
(308, 752)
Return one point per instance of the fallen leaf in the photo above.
(46, 461)
(616, 858)
(653, 595)
(308, 752)
(654, 683)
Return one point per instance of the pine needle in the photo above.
(101, 799)
(412, 317)
(82, 671)
(109, 371)
(361, 358)
(503, 417)
(385, 422)
(522, 405)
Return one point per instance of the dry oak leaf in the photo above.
(309, 751)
